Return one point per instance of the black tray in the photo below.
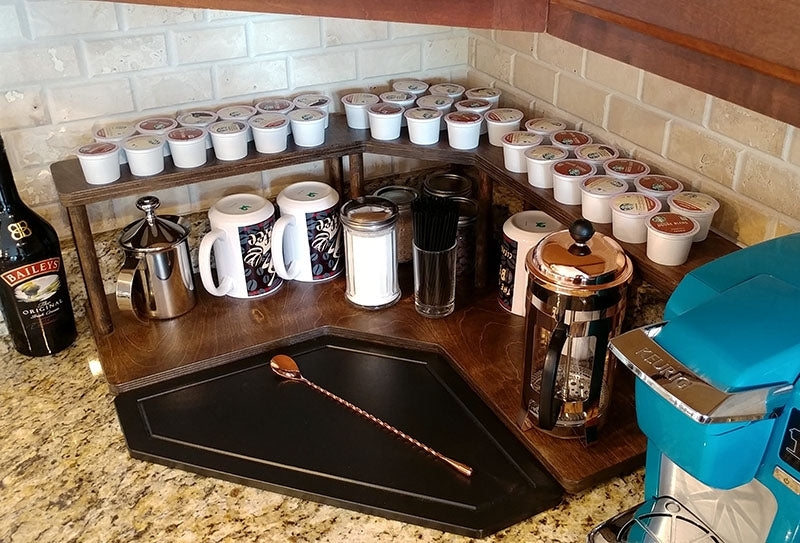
(241, 423)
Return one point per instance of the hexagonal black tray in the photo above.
(241, 423)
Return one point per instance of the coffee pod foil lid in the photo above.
(543, 125)
(596, 151)
(604, 185)
(694, 202)
(573, 168)
(634, 203)
(673, 224)
(435, 101)
(504, 115)
(360, 99)
(423, 113)
(546, 153)
(143, 142)
(572, 138)
(522, 139)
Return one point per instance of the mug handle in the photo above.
(293, 270)
(204, 264)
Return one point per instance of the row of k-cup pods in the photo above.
(144, 144)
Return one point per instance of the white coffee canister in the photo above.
(701, 207)
(658, 186)
(355, 108)
(230, 139)
(626, 169)
(596, 194)
(514, 146)
(423, 125)
(596, 154)
(442, 103)
(115, 133)
(451, 90)
(200, 118)
(669, 238)
(99, 162)
(157, 126)
(484, 93)
(405, 100)
(314, 101)
(567, 178)
(276, 105)
(475, 105)
(521, 232)
(145, 154)
(463, 129)
(270, 131)
(629, 215)
(238, 113)
(569, 140)
(308, 126)
(545, 127)
(540, 160)
(188, 145)
(412, 86)
(385, 121)
(500, 122)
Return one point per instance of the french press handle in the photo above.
(549, 403)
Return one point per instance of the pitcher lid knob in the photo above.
(581, 231)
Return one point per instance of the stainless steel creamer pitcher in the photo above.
(155, 281)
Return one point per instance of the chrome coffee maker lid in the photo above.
(152, 233)
(579, 260)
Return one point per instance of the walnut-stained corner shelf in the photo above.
(483, 341)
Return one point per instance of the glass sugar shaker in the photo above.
(402, 196)
(370, 243)
(466, 235)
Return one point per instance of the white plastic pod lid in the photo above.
(596, 152)
(115, 131)
(474, 104)
(661, 185)
(227, 127)
(414, 86)
(423, 113)
(186, 133)
(483, 92)
(268, 120)
(436, 101)
(306, 115)
(446, 89)
(635, 204)
(504, 115)
(198, 118)
(398, 97)
(97, 149)
(604, 185)
(546, 153)
(543, 125)
(625, 167)
(385, 109)
(463, 117)
(571, 138)
(156, 125)
(143, 142)
(521, 138)
(574, 168)
(694, 202)
(232, 113)
(360, 99)
(312, 100)
(279, 105)
(673, 225)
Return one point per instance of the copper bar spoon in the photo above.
(286, 367)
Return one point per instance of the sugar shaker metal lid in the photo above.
(369, 213)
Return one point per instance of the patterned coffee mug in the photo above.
(241, 238)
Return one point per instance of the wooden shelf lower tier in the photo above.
(484, 343)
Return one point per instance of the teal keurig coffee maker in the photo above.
(718, 397)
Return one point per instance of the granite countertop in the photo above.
(67, 476)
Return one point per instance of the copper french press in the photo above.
(577, 283)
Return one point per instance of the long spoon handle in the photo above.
(458, 466)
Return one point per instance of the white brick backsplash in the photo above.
(405, 30)
(276, 180)
(22, 107)
(137, 16)
(216, 14)
(345, 31)
(38, 64)
(56, 215)
(9, 23)
(93, 100)
(285, 35)
(61, 17)
(250, 77)
(172, 88)
(126, 55)
(174, 201)
(226, 42)
(43, 145)
(35, 186)
(322, 69)
(444, 52)
(204, 194)
(397, 59)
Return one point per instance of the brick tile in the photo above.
(581, 98)
(438, 53)
(612, 73)
(637, 124)
(748, 127)
(784, 229)
(322, 69)
(204, 195)
(62, 17)
(492, 60)
(534, 77)
(23, 106)
(772, 183)
(127, 54)
(9, 22)
(794, 148)
(210, 44)
(35, 186)
(252, 76)
(43, 145)
(674, 98)
(520, 41)
(405, 30)
(737, 217)
(702, 151)
(138, 16)
(396, 59)
(38, 64)
(171, 88)
(345, 31)
(560, 53)
(91, 100)
(285, 35)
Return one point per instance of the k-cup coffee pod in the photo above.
(501, 121)
(596, 194)
(188, 146)
(442, 103)
(463, 129)
(521, 232)
(540, 160)
(669, 238)
(405, 100)
(145, 154)
(701, 207)
(484, 93)
(99, 162)
(157, 126)
(355, 108)
(451, 90)
(658, 186)
(596, 154)
(514, 146)
(115, 133)
(384, 121)
(626, 169)
(276, 105)
(412, 86)
(629, 215)
(567, 178)
(270, 131)
(315, 101)
(229, 139)
(308, 126)
(200, 119)
(545, 127)
(238, 113)
(423, 125)
(569, 140)
(475, 105)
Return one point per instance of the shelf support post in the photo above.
(356, 163)
(484, 233)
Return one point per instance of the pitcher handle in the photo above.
(549, 404)
(204, 264)
(125, 280)
(283, 271)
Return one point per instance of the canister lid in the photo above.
(447, 184)
(152, 233)
(579, 259)
(401, 195)
(369, 213)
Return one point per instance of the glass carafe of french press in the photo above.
(576, 301)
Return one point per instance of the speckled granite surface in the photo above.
(65, 474)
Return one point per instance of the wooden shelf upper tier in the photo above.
(343, 141)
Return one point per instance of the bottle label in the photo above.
(35, 287)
